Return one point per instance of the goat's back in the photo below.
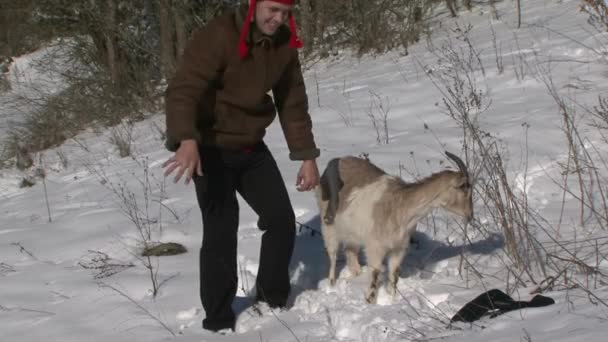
(362, 185)
(351, 172)
(358, 172)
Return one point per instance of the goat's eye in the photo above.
(465, 186)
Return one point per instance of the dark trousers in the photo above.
(255, 175)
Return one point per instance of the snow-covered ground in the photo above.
(46, 293)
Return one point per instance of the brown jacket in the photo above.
(220, 99)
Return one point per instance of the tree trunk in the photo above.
(152, 36)
(181, 33)
(307, 25)
(451, 6)
(166, 39)
(493, 9)
(518, 13)
(109, 37)
(319, 11)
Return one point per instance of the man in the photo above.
(217, 112)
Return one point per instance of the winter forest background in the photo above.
(124, 51)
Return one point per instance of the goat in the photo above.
(362, 206)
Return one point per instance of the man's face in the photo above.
(269, 15)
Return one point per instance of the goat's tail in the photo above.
(331, 184)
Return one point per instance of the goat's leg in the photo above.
(332, 252)
(394, 261)
(375, 256)
(352, 259)
(331, 246)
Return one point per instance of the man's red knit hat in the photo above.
(294, 41)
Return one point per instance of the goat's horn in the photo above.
(461, 166)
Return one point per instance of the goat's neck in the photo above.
(419, 199)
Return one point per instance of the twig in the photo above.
(23, 250)
(146, 311)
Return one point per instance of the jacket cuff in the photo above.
(305, 154)
(173, 143)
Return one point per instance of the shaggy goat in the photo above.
(362, 206)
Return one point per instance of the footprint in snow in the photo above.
(187, 318)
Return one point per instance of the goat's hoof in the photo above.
(328, 219)
(332, 282)
(371, 298)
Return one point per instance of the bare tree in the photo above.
(307, 23)
(16, 29)
(181, 30)
(110, 15)
(518, 13)
(451, 5)
(166, 38)
(493, 9)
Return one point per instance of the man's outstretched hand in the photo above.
(186, 161)
(308, 176)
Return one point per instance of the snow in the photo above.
(46, 293)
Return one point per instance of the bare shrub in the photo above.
(378, 112)
(112, 73)
(5, 159)
(493, 9)
(553, 264)
(20, 30)
(121, 139)
(50, 121)
(27, 182)
(6, 269)
(600, 115)
(362, 25)
(24, 250)
(162, 133)
(63, 158)
(598, 12)
(518, 58)
(5, 84)
(451, 5)
(55, 118)
(45, 126)
(138, 206)
(584, 159)
(497, 52)
(464, 102)
(41, 173)
(103, 265)
(346, 114)
(23, 158)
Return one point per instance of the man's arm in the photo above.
(292, 104)
(201, 64)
